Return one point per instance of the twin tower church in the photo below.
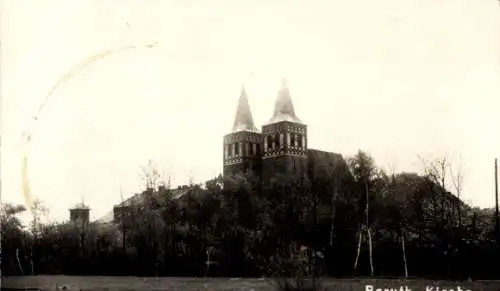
(280, 147)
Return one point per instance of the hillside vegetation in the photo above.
(354, 221)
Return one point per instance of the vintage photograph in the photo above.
(250, 145)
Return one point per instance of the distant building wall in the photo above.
(122, 215)
(79, 214)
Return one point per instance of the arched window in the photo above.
(254, 149)
(282, 139)
(299, 141)
(296, 140)
(247, 149)
(288, 139)
(277, 140)
(240, 145)
(236, 149)
(304, 141)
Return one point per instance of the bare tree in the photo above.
(369, 233)
(333, 205)
(436, 170)
(402, 225)
(363, 168)
(11, 227)
(39, 212)
(150, 213)
(497, 217)
(439, 171)
(151, 176)
(457, 180)
(122, 219)
(191, 179)
(402, 212)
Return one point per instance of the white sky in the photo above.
(397, 78)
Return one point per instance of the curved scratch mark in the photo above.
(74, 70)
(25, 183)
(27, 135)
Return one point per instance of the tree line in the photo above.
(351, 219)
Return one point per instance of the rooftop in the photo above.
(243, 120)
(283, 108)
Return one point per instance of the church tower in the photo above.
(284, 139)
(242, 146)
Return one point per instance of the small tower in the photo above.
(79, 213)
(242, 146)
(284, 139)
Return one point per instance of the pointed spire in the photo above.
(284, 84)
(283, 108)
(243, 120)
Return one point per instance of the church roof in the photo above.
(283, 108)
(243, 120)
(139, 198)
(80, 205)
(323, 164)
(325, 160)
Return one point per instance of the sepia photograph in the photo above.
(279, 145)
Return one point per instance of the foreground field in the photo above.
(215, 284)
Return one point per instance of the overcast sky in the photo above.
(397, 78)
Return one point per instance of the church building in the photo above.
(281, 146)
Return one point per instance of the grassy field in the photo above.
(216, 284)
